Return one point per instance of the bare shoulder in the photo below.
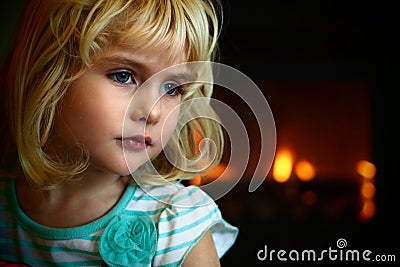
(203, 253)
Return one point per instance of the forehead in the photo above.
(149, 61)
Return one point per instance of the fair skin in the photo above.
(114, 91)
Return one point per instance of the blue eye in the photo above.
(123, 77)
(171, 88)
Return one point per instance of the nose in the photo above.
(146, 105)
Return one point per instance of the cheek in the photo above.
(82, 118)
(170, 122)
(87, 120)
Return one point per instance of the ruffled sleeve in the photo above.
(189, 214)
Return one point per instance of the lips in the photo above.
(137, 142)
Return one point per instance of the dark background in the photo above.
(302, 43)
(284, 47)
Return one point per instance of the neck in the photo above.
(75, 203)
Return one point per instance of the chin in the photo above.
(131, 168)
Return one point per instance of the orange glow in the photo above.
(368, 210)
(213, 174)
(366, 169)
(197, 140)
(283, 166)
(196, 180)
(217, 171)
(368, 190)
(304, 170)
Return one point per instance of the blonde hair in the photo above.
(57, 41)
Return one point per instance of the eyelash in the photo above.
(113, 76)
(177, 88)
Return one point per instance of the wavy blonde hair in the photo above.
(57, 41)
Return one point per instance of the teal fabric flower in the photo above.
(129, 240)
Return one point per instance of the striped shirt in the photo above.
(181, 216)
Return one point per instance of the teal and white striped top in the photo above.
(155, 226)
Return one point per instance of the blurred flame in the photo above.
(368, 190)
(368, 210)
(304, 170)
(366, 169)
(283, 166)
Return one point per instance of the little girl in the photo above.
(94, 111)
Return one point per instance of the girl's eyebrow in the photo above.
(118, 61)
(185, 77)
